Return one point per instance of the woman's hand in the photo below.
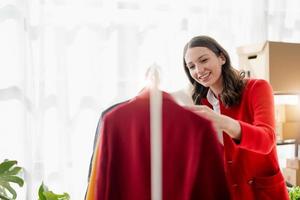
(209, 114)
(220, 122)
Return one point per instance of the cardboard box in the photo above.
(276, 62)
(287, 113)
(291, 130)
(292, 112)
(287, 130)
(291, 175)
(293, 163)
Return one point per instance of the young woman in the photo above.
(242, 111)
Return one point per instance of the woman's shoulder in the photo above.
(253, 84)
(253, 81)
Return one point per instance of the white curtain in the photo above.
(64, 61)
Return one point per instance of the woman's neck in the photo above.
(217, 88)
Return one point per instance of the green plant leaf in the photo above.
(4, 197)
(42, 188)
(294, 193)
(14, 171)
(45, 194)
(8, 174)
(6, 165)
(51, 196)
(10, 189)
(14, 179)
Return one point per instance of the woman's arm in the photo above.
(257, 135)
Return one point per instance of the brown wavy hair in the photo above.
(233, 80)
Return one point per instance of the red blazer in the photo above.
(193, 162)
(251, 164)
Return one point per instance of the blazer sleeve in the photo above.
(259, 136)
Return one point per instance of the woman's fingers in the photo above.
(197, 108)
(201, 110)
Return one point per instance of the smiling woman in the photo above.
(242, 111)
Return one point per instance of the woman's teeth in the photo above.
(204, 76)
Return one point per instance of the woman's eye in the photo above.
(204, 60)
(191, 67)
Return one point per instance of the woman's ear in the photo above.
(223, 59)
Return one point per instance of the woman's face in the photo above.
(205, 67)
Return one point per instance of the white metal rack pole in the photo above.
(155, 134)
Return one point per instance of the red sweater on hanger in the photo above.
(193, 163)
(251, 164)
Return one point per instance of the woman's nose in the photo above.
(199, 69)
